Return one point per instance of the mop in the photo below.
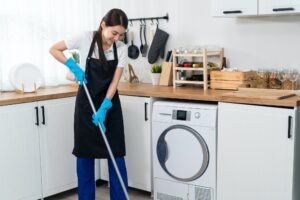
(107, 144)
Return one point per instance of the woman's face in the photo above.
(111, 34)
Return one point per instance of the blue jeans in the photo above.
(86, 179)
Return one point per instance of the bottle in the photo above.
(224, 65)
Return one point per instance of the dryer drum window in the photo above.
(164, 152)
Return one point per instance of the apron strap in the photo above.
(92, 45)
(115, 52)
(90, 54)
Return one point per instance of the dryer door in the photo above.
(182, 153)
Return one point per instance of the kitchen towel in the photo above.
(158, 45)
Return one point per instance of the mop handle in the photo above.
(107, 144)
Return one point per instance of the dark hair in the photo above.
(114, 17)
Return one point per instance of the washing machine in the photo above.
(184, 150)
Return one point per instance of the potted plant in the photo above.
(155, 73)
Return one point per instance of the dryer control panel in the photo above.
(183, 115)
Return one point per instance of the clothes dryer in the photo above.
(184, 150)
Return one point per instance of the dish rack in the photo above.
(23, 90)
(188, 63)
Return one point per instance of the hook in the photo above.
(157, 23)
(144, 21)
(167, 17)
(131, 23)
(152, 21)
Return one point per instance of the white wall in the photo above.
(251, 42)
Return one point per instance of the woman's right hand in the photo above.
(77, 71)
(70, 76)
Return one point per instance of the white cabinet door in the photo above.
(136, 115)
(279, 6)
(224, 8)
(20, 170)
(255, 152)
(57, 141)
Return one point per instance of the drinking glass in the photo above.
(281, 76)
(293, 76)
(262, 78)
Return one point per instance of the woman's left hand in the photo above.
(101, 113)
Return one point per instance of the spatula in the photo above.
(145, 47)
(132, 77)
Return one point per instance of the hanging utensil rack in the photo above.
(166, 17)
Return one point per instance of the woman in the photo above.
(105, 57)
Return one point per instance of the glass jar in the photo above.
(287, 85)
(262, 79)
(274, 82)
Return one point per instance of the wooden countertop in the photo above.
(193, 93)
(148, 90)
(7, 98)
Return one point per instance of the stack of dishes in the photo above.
(26, 77)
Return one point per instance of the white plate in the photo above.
(26, 75)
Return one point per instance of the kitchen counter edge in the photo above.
(147, 90)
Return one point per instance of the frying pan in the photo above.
(133, 51)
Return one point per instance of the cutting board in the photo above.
(261, 93)
(166, 77)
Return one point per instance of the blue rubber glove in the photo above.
(77, 71)
(101, 113)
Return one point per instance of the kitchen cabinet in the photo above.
(224, 8)
(20, 171)
(56, 144)
(36, 142)
(258, 153)
(136, 115)
(278, 6)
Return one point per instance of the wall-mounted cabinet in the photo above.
(224, 8)
(278, 6)
(236, 8)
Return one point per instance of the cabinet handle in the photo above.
(289, 126)
(43, 115)
(146, 115)
(37, 115)
(232, 12)
(283, 9)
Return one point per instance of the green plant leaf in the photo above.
(156, 68)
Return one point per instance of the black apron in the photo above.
(88, 139)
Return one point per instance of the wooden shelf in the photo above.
(189, 82)
(205, 53)
(209, 53)
(189, 68)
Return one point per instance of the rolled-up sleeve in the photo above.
(122, 56)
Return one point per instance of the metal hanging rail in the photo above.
(150, 18)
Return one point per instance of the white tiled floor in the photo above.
(102, 193)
